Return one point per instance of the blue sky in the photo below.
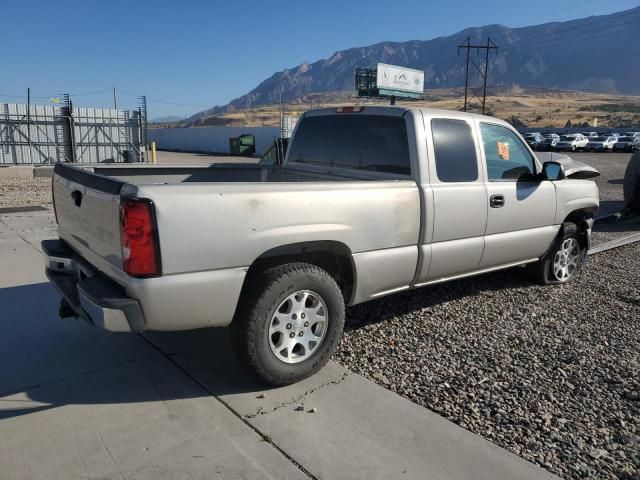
(201, 53)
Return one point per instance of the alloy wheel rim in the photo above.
(566, 260)
(298, 326)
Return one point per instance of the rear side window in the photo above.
(364, 142)
(456, 159)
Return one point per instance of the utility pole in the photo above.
(115, 103)
(483, 74)
(486, 71)
(466, 72)
(29, 123)
(281, 113)
(29, 116)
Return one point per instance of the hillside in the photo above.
(560, 55)
(534, 107)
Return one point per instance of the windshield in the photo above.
(601, 139)
(567, 138)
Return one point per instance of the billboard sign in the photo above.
(400, 79)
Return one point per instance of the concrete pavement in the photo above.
(77, 402)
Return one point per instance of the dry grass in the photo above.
(534, 107)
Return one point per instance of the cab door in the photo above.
(456, 201)
(522, 207)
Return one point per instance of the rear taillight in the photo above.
(139, 238)
(349, 109)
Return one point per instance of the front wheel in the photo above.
(289, 322)
(563, 261)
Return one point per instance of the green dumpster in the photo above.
(242, 145)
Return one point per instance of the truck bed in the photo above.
(227, 172)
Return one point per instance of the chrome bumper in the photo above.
(88, 294)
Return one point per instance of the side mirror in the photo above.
(552, 171)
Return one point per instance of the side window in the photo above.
(456, 159)
(507, 158)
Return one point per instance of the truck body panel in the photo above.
(403, 220)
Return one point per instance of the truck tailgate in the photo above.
(88, 212)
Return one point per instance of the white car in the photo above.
(602, 144)
(572, 142)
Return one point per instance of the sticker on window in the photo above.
(503, 150)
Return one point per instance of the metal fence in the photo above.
(210, 139)
(40, 134)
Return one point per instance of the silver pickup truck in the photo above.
(369, 201)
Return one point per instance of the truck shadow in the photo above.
(403, 303)
(48, 362)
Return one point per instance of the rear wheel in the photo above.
(563, 261)
(289, 322)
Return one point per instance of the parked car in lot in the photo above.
(590, 134)
(535, 140)
(602, 144)
(572, 142)
(400, 198)
(625, 144)
(550, 141)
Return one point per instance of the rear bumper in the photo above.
(88, 293)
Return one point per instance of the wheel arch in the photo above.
(332, 256)
(583, 218)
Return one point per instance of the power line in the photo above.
(565, 42)
(168, 102)
(113, 91)
(57, 95)
(90, 93)
(581, 35)
(570, 7)
(574, 27)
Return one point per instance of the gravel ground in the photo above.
(549, 373)
(21, 192)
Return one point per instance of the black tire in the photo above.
(264, 293)
(542, 271)
(631, 186)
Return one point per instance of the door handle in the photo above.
(496, 201)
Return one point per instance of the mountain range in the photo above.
(167, 119)
(595, 54)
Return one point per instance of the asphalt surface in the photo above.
(164, 156)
